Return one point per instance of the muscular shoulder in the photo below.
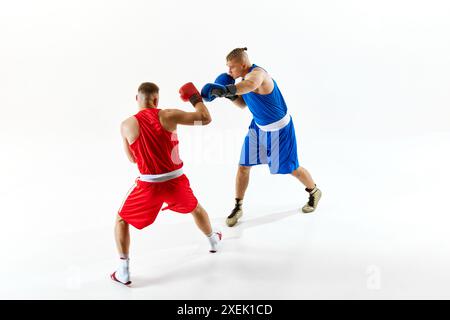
(259, 70)
(166, 115)
(129, 127)
(167, 118)
(257, 75)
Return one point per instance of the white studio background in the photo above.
(367, 83)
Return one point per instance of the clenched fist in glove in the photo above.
(223, 86)
(189, 92)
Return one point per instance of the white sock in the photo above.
(123, 271)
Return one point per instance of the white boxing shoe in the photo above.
(214, 240)
(122, 274)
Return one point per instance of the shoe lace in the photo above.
(235, 210)
(311, 200)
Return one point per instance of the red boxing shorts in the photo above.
(145, 199)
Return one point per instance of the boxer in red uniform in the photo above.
(150, 141)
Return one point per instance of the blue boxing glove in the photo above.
(207, 92)
(223, 87)
(225, 79)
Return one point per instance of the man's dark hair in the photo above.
(148, 89)
(238, 53)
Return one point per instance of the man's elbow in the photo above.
(206, 120)
(239, 103)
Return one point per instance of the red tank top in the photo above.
(155, 149)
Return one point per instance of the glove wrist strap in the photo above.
(195, 98)
(231, 90)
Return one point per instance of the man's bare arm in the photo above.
(239, 101)
(128, 152)
(170, 118)
(252, 81)
(129, 130)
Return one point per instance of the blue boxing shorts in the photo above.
(274, 145)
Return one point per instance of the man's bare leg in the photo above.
(201, 219)
(314, 193)
(242, 180)
(122, 236)
(304, 176)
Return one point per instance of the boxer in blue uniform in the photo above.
(271, 136)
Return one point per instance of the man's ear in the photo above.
(136, 97)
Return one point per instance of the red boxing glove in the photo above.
(189, 92)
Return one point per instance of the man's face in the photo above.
(235, 68)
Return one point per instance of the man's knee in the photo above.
(297, 172)
(120, 221)
(244, 169)
(196, 210)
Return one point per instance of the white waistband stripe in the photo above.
(277, 125)
(161, 177)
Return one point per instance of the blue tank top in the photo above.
(266, 108)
